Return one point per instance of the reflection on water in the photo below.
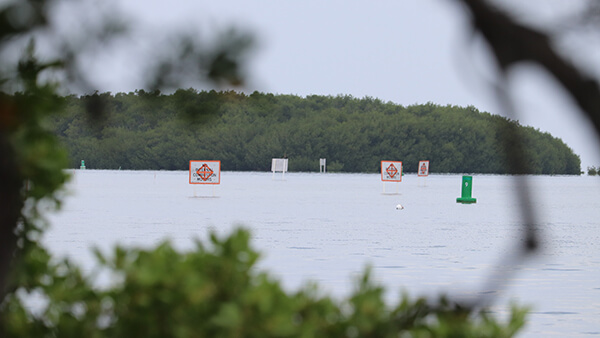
(329, 227)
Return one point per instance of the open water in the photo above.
(328, 227)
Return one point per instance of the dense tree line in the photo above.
(143, 130)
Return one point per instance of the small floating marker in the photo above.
(399, 207)
(467, 187)
(82, 165)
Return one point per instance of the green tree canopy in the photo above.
(145, 131)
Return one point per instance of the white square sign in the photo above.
(279, 164)
(205, 172)
(391, 171)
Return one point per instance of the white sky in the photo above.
(406, 52)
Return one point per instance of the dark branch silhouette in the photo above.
(513, 43)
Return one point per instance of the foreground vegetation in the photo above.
(217, 291)
(143, 131)
(214, 290)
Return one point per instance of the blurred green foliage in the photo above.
(216, 290)
(36, 157)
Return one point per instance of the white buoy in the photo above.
(399, 207)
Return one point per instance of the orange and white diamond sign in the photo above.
(205, 172)
(391, 171)
(423, 168)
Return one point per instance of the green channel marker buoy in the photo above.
(82, 164)
(467, 187)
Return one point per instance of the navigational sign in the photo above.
(391, 171)
(205, 172)
(423, 168)
(279, 164)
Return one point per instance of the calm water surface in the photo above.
(329, 227)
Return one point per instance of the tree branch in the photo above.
(10, 209)
(512, 43)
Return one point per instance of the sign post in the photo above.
(279, 164)
(322, 165)
(205, 172)
(391, 171)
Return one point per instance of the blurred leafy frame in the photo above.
(32, 163)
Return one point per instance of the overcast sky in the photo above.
(406, 52)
